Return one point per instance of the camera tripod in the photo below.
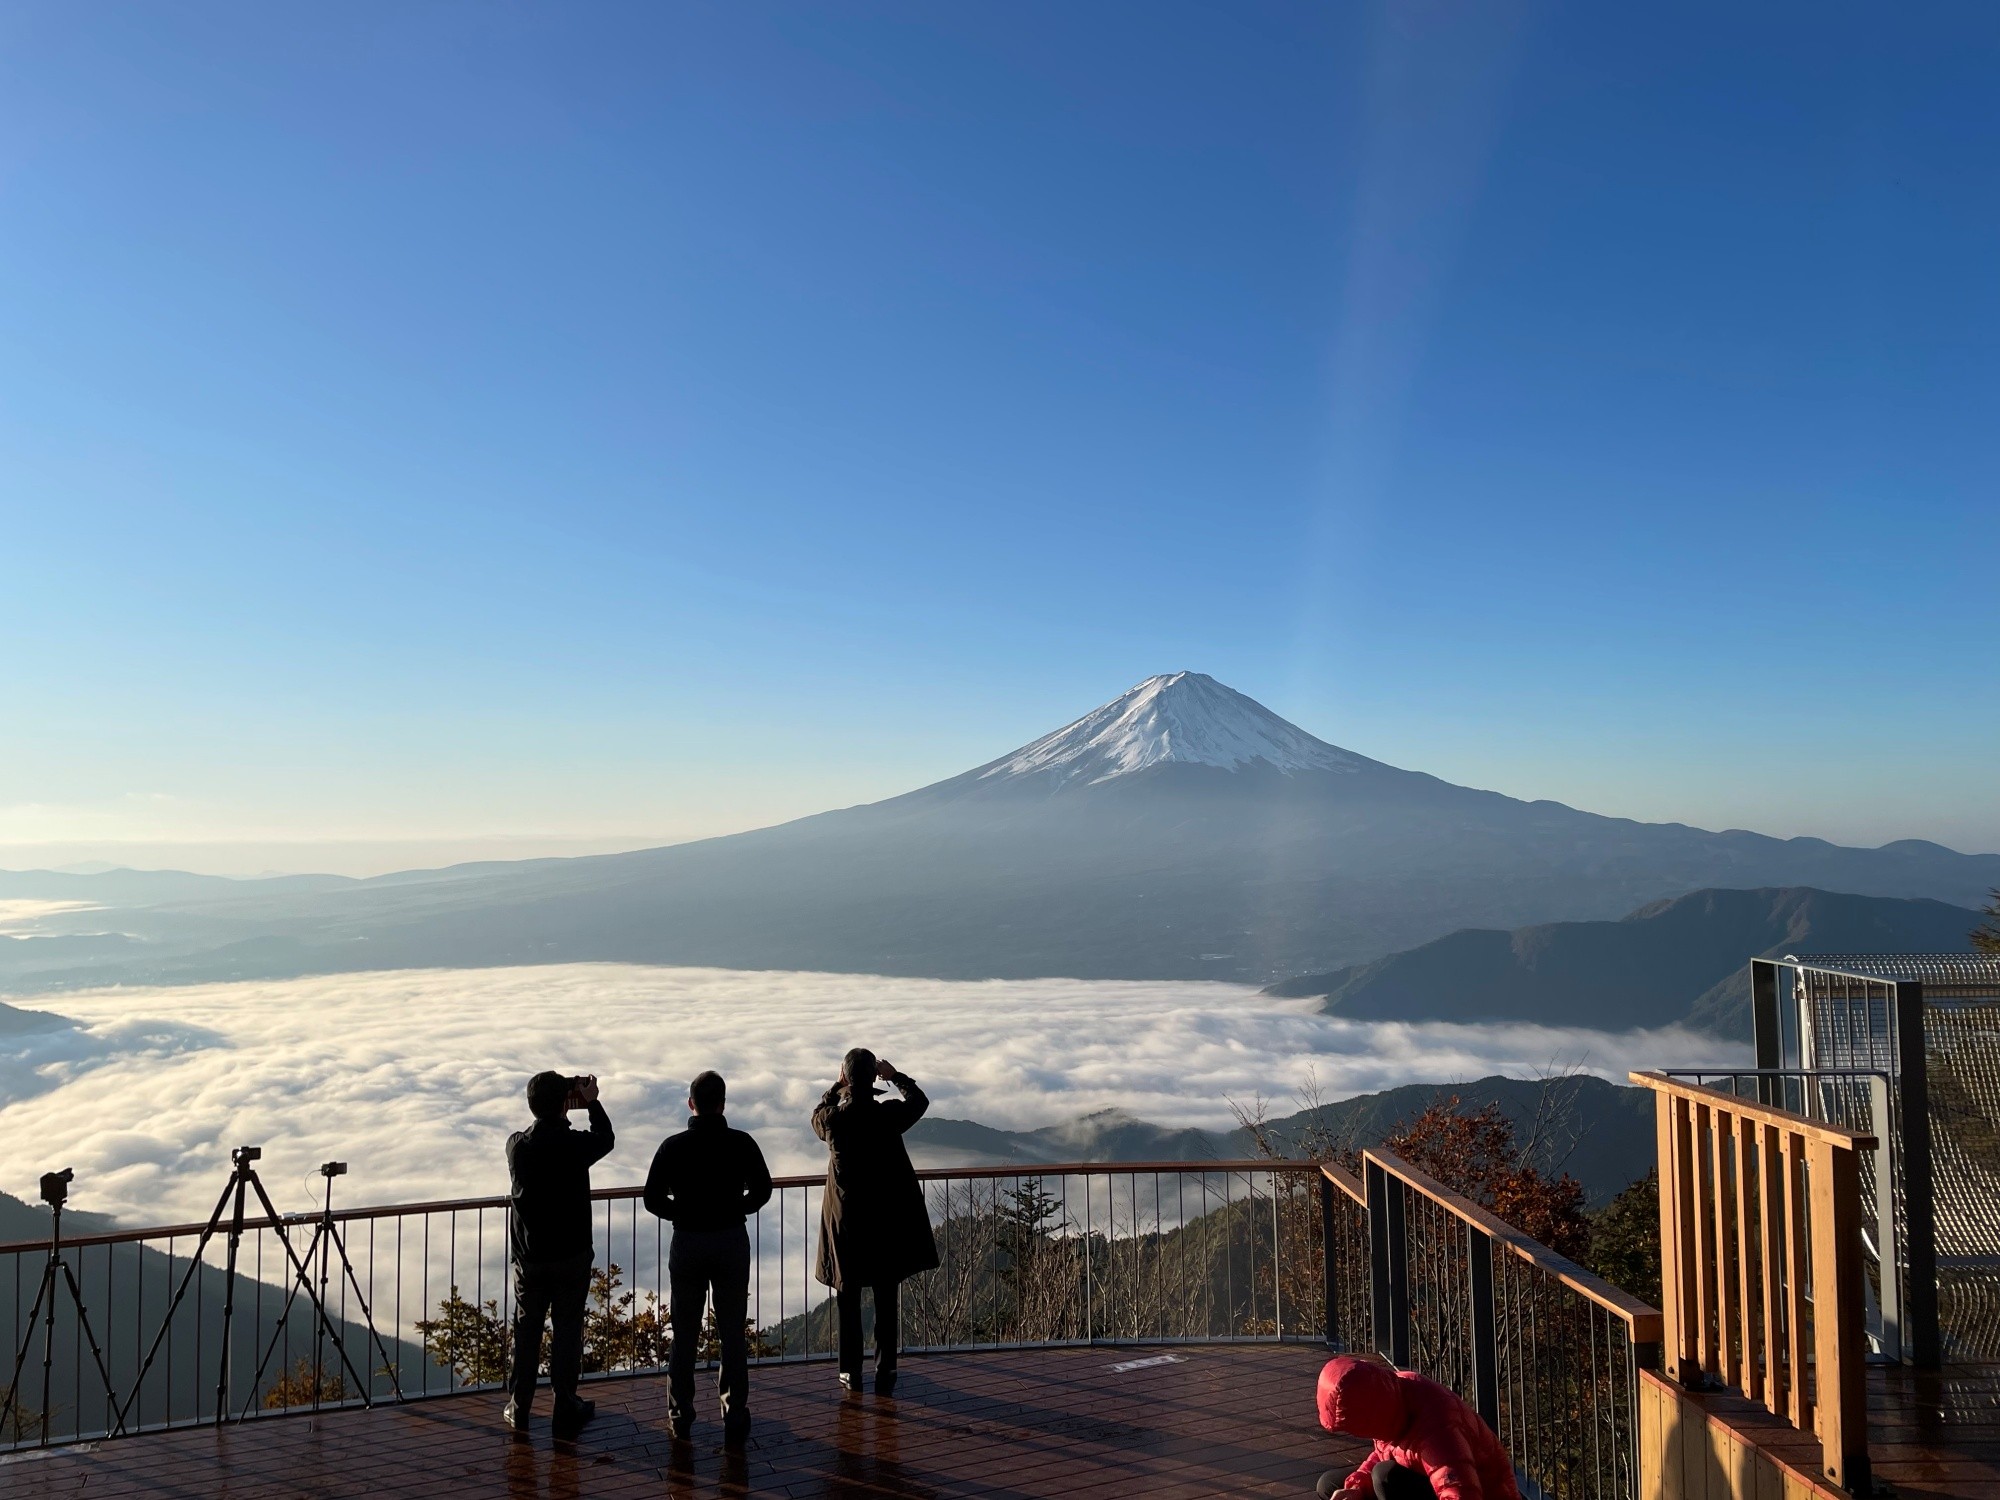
(243, 1179)
(55, 1191)
(326, 1241)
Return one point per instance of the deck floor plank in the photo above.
(1006, 1425)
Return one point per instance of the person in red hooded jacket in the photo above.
(1427, 1441)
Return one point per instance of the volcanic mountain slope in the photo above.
(1181, 830)
(1685, 959)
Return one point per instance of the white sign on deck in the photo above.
(1147, 1364)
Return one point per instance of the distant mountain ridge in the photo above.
(1181, 831)
(1683, 959)
(1606, 1130)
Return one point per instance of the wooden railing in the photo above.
(1761, 1262)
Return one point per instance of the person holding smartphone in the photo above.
(548, 1169)
(875, 1229)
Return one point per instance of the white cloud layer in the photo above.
(415, 1076)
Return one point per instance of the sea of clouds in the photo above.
(415, 1076)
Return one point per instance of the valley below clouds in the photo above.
(415, 1077)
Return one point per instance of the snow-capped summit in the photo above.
(1184, 717)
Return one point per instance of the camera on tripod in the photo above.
(333, 1169)
(244, 1155)
(55, 1186)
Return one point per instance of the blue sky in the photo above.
(439, 421)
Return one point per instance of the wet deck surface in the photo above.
(1929, 1435)
(1172, 1423)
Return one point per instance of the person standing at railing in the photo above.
(874, 1228)
(548, 1168)
(706, 1181)
(1429, 1445)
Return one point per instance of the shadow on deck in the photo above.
(1189, 1421)
(1931, 1435)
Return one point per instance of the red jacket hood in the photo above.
(1362, 1398)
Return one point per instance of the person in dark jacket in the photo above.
(548, 1169)
(874, 1229)
(705, 1182)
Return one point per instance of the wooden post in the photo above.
(1722, 1134)
(1771, 1199)
(1796, 1305)
(1682, 1272)
(1839, 1338)
(1706, 1259)
(1672, 1271)
(1747, 1299)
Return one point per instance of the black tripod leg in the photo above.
(305, 1278)
(229, 1298)
(173, 1306)
(89, 1333)
(13, 1402)
(368, 1313)
(277, 1332)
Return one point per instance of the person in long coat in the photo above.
(874, 1227)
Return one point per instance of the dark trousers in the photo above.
(702, 1263)
(1391, 1480)
(888, 1327)
(1394, 1482)
(555, 1291)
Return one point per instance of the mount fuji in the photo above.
(1180, 830)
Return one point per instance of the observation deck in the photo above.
(1167, 1423)
(1829, 1326)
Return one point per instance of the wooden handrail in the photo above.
(500, 1201)
(1763, 1114)
(1760, 1260)
(1346, 1181)
(1642, 1321)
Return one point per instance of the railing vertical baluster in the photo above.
(1328, 1256)
(1399, 1273)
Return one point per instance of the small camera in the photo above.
(55, 1186)
(333, 1169)
(245, 1154)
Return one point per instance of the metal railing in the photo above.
(1349, 1283)
(419, 1298)
(1107, 1253)
(1546, 1352)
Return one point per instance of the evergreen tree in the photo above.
(1986, 936)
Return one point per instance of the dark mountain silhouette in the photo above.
(1678, 960)
(1180, 831)
(1601, 1132)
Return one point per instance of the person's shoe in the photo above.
(569, 1419)
(851, 1384)
(515, 1415)
(736, 1430)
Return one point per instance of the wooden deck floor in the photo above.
(1930, 1436)
(1168, 1424)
